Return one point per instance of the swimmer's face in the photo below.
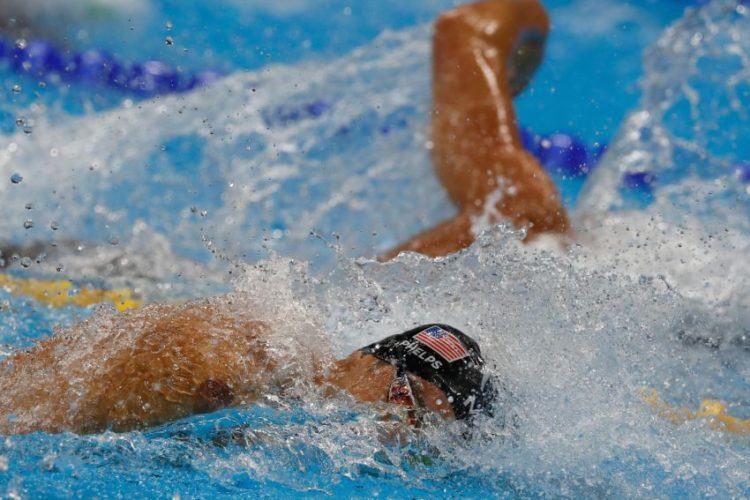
(376, 380)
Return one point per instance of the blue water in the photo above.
(577, 334)
(577, 89)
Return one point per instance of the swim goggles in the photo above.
(400, 393)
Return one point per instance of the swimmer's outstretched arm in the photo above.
(136, 369)
(162, 362)
(483, 55)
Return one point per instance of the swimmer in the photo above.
(166, 361)
(484, 54)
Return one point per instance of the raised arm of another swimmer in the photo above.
(483, 55)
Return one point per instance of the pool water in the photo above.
(305, 157)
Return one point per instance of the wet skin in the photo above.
(164, 362)
(167, 361)
(484, 54)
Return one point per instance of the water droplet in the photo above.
(16, 89)
(28, 224)
(204, 213)
(29, 206)
(16, 178)
(54, 225)
(193, 209)
(168, 25)
(169, 41)
(26, 262)
(60, 268)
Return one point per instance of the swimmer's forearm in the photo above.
(477, 152)
(458, 233)
(445, 238)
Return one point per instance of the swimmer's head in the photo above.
(445, 357)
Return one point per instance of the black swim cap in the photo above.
(448, 358)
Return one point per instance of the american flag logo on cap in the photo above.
(442, 342)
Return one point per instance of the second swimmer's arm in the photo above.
(484, 53)
(533, 205)
(447, 237)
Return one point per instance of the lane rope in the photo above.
(61, 293)
(42, 59)
(713, 411)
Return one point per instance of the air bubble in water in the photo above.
(169, 41)
(114, 240)
(54, 225)
(26, 262)
(16, 89)
(28, 224)
(16, 178)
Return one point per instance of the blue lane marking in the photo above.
(42, 59)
